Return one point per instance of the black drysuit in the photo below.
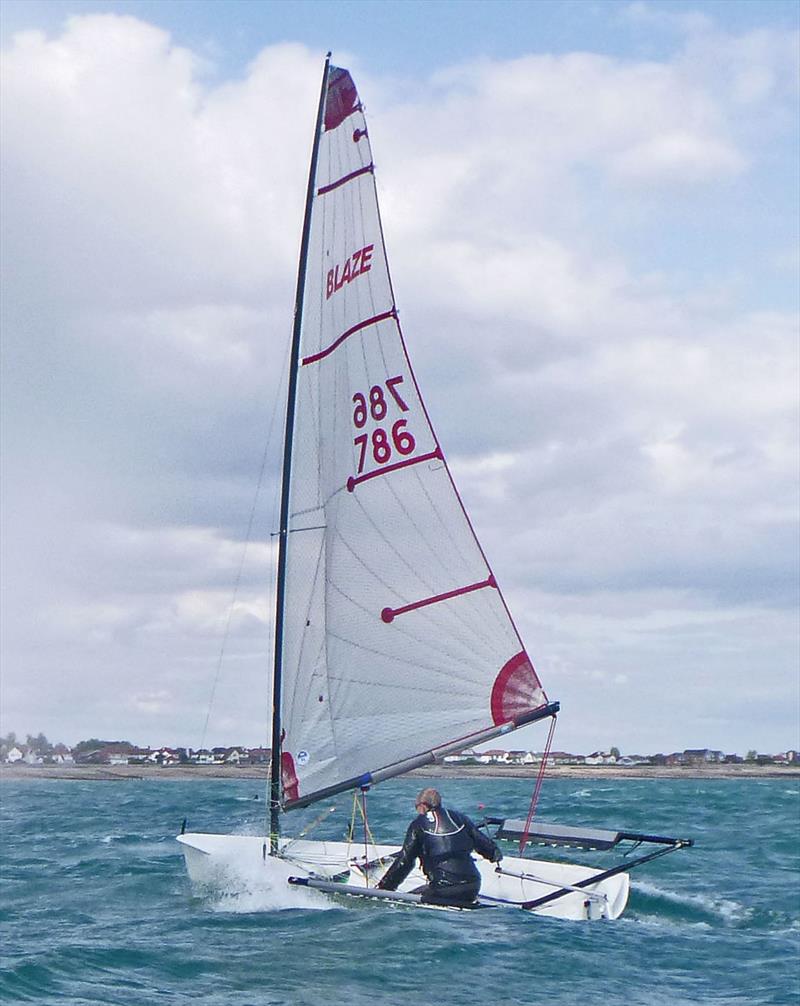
(443, 841)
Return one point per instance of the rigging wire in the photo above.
(278, 397)
(539, 779)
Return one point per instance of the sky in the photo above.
(591, 216)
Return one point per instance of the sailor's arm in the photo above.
(483, 844)
(404, 863)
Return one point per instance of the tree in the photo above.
(94, 743)
(614, 752)
(89, 745)
(751, 755)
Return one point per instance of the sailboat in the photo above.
(394, 646)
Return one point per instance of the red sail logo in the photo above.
(355, 265)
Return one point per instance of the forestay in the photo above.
(396, 638)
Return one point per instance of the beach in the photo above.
(100, 773)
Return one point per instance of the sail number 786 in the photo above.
(376, 406)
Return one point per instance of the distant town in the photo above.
(39, 751)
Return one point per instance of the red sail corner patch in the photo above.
(516, 689)
(342, 97)
(289, 780)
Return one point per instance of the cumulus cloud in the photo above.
(634, 427)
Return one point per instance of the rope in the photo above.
(369, 838)
(308, 828)
(539, 779)
(351, 830)
(366, 833)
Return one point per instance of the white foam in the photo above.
(268, 899)
(724, 908)
(245, 887)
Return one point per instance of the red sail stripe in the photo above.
(389, 614)
(354, 480)
(346, 335)
(367, 169)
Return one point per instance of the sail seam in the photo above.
(366, 170)
(315, 357)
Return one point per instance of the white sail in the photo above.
(396, 638)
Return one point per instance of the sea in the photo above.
(97, 906)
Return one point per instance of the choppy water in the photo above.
(96, 907)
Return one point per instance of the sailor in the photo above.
(443, 841)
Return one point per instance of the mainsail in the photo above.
(395, 639)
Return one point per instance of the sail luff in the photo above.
(425, 758)
(280, 600)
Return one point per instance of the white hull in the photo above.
(230, 864)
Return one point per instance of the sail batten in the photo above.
(396, 637)
(367, 169)
(360, 326)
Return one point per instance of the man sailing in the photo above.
(443, 841)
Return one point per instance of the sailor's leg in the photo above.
(457, 895)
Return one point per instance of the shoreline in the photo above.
(182, 773)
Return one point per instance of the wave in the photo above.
(688, 907)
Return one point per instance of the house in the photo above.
(14, 755)
(62, 755)
(695, 756)
(566, 758)
(601, 758)
(466, 757)
(164, 756)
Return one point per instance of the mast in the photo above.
(283, 532)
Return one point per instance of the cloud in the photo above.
(679, 154)
(634, 425)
